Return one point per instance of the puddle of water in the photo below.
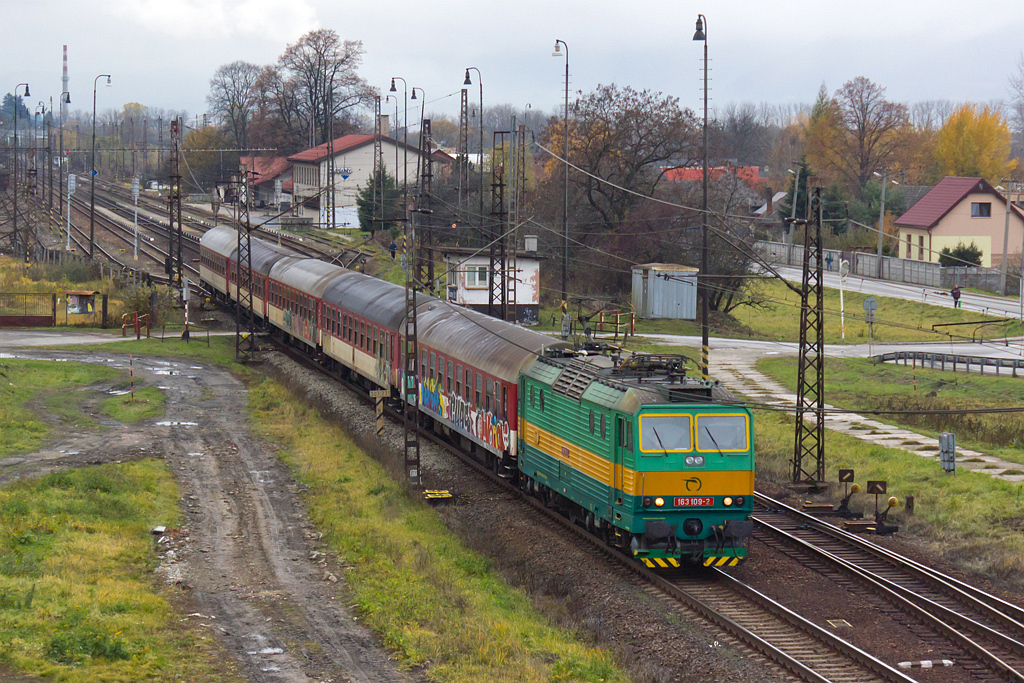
(118, 392)
(196, 453)
(165, 372)
(71, 452)
(175, 423)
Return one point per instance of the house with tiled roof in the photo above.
(268, 174)
(353, 169)
(961, 210)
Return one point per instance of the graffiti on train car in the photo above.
(484, 425)
(382, 370)
(300, 326)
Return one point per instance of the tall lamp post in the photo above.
(565, 198)
(17, 104)
(480, 78)
(405, 139)
(702, 282)
(65, 98)
(92, 164)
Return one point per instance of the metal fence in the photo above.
(894, 269)
(27, 309)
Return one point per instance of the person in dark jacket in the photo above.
(956, 296)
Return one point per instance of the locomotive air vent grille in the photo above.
(574, 379)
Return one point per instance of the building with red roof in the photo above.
(961, 210)
(353, 169)
(266, 173)
(751, 175)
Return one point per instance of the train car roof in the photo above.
(376, 300)
(494, 346)
(305, 274)
(220, 240)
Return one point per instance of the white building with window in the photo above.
(353, 169)
(468, 280)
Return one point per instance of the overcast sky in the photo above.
(162, 53)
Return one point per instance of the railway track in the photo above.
(796, 645)
(198, 221)
(984, 631)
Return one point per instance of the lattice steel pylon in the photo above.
(809, 449)
(378, 176)
(245, 336)
(497, 301)
(174, 205)
(518, 160)
(462, 155)
(423, 210)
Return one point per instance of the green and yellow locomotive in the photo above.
(658, 463)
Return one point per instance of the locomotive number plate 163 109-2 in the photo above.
(694, 501)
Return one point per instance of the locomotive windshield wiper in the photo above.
(714, 441)
(658, 436)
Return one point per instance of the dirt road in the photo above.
(246, 554)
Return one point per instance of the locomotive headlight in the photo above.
(727, 501)
(694, 460)
(740, 500)
(647, 501)
(659, 502)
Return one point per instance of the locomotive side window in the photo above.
(542, 400)
(604, 428)
(662, 434)
(723, 433)
(591, 421)
(531, 396)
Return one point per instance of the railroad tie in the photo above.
(925, 664)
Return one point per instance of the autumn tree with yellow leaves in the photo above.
(974, 143)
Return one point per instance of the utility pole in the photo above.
(809, 447)
(1006, 236)
(881, 220)
(497, 301)
(245, 340)
(174, 207)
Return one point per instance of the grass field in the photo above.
(415, 583)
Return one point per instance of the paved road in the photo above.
(983, 303)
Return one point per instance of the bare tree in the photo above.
(324, 71)
(232, 97)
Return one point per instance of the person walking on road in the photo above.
(956, 296)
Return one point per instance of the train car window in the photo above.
(362, 335)
(504, 402)
(479, 389)
(591, 421)
(723, 433)
(376, 349)
(458, 380)
(487, 395)
(542, 400)
(604, 427)
(663, 434)
(469, 383)
(449, 378)
(423, 364)
(433, 360)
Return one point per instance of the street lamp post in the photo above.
(405, 139)
(17, 104)
(701, 35)
(565, 189)
(881, 220)
(480, 78)
(92, 164)
(65, 98)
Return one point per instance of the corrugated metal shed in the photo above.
(665, 290)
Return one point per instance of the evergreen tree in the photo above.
(390, 210)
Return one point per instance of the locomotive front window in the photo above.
(725, 433)
(661, 434)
